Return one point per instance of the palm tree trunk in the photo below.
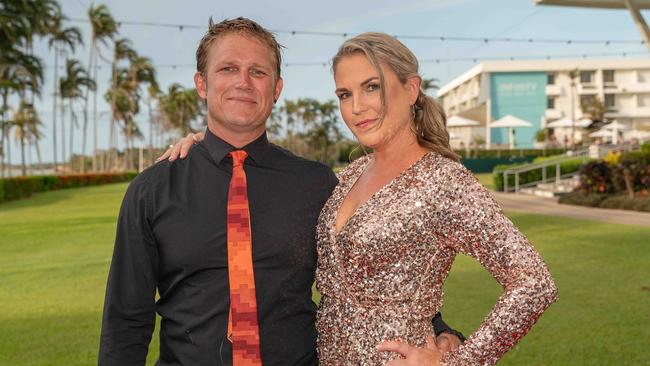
(73, 123)
(10, 172)
(85, 126)
(56, 67)
(2, 148)
(63, 151)
(95, 113)
(113, 106)
(5, 133)
(38, 156)
(22, 151)
(150, 157)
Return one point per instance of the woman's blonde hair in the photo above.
(429, 121)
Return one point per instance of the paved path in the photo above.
(549, 206)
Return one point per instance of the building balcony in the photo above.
(553, 114)
(587, 89)
(633, 112)
(632, 88)
(553, 90)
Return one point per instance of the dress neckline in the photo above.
(348, 187)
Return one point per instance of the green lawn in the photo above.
(56, 249)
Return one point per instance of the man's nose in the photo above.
(244, 81)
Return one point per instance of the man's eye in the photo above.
(258, 73)
(229, 69)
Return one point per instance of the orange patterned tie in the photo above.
(242, 320)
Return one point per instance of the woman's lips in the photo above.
(366, 123)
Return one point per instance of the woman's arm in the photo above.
(182, 147)
(472, 222)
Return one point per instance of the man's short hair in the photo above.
(239, 25)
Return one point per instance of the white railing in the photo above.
(585, 155)
(543, 166)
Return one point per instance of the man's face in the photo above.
(240, 84)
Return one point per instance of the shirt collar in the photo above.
(219, 149)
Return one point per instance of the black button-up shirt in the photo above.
(172, 238)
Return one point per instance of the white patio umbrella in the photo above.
(615, 126)
(601, 133)
(457, 121)
(510, 122)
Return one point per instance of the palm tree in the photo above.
(122, 51)
(71, 88)
(60, 38)
(141, 71)
(27, 128)
(103, 27)
(429, 84)
(180, 107)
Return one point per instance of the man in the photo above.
(186, 229)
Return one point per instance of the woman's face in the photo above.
(358, 90)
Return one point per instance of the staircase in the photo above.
(553, 189)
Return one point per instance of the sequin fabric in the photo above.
(382, 275)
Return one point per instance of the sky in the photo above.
(168, 46)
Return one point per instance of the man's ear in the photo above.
(201, 85)
(278, 90)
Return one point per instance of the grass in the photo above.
(485, 179)
(56, 248)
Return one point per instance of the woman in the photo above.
(388, 235)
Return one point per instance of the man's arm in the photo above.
(129, 307)
(447, 339)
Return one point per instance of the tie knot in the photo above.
(238, 157)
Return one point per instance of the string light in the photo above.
(605, 42)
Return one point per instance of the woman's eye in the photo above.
(373, 87)
(342, 96)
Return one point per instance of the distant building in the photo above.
(540, 92)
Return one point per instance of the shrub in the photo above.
(627, 203)
(20, 187)
(583, 199)
(596, 177)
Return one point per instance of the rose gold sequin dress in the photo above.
(382, 275)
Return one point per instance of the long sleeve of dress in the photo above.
(470, 221)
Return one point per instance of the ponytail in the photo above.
(429, 123)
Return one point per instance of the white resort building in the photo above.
(541, 92)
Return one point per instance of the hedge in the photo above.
(607, 201)
(566, 167)
(21, 187)
(499, 153)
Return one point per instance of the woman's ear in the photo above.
(413, 86)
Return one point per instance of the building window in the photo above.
(643, 76)
(643, 100)
(586, 77)
(550, 103)
(608, 76)
(550, 79)
(610, 101)
(586, 100)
